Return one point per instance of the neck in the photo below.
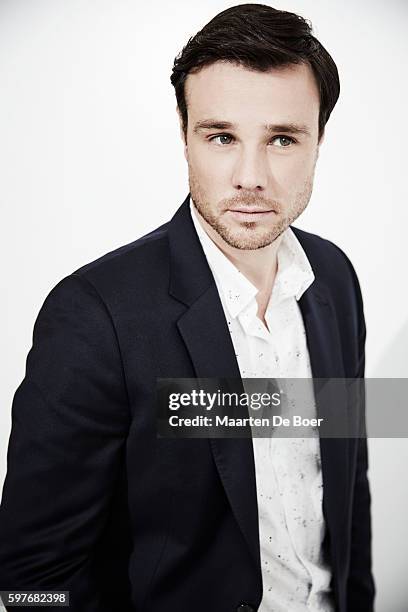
(259, 266)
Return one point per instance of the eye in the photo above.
(284, 141)
(224, 139)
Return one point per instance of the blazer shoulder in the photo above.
(120, 256)
(142, 259)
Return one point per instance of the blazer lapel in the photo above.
(325, 353)
(205, 333)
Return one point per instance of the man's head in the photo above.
(254, 91)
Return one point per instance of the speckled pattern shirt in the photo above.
(295, 574)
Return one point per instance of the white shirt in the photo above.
(295, 575)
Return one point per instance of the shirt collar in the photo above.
(293, 277)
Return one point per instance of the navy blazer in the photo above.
(95, 503)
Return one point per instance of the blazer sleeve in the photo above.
(360, 583)
(70, 420)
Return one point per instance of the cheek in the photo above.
(210, 170)
(289, 173)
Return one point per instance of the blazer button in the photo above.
(245, 608)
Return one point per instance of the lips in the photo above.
(253, 215)
(248, 210)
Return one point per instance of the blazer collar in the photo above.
(190, 275)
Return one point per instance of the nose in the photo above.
(250, 170)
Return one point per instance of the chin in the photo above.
(248, 237)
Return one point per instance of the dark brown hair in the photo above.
(258, 37)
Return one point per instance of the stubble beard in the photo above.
(249, 235)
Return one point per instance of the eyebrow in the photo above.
(271, 128)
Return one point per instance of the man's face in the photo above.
(251, 147)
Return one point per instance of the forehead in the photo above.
(234, 93)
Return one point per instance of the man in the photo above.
(96, 504)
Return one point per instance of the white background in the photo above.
(91, 158)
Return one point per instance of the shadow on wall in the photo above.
(393, 362)
(386, 456)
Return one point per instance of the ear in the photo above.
(182, 131)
